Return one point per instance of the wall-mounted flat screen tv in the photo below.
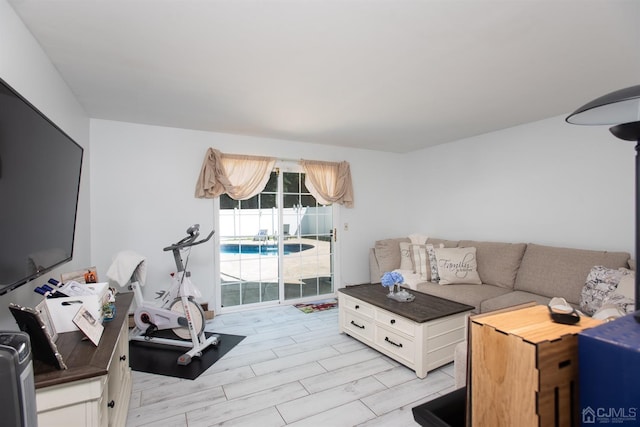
(39, 186)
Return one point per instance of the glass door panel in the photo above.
(308, 266)
(275, 246)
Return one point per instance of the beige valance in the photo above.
(329, 182)
(239, 176)
(242, 177)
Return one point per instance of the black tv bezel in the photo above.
(4, 289)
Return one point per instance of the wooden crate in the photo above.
(524, 369)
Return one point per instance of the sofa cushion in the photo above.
(498, 262)
(561, 272)
(510, 299)
(388, 253)
(466, 294)
(457, 265)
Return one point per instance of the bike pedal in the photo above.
(152, 329)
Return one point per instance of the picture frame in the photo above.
(43, 347)
(45, 315)
(89, 325)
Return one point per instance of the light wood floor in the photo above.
(293, 369)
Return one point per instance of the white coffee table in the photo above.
(421, 334)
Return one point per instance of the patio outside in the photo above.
(249, 278)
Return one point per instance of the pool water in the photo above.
(263, 249)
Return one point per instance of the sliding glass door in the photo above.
(277, 246)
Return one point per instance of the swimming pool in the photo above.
(263, 249)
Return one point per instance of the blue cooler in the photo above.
(609, 358)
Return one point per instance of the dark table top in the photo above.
(422, 309)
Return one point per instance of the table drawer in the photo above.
(396, 322)
(395, 344)
(357, 325)
(362, 308)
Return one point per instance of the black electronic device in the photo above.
(40, 169)
(17, 386)
(565, 317)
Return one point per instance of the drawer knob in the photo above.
(392, 343)
(111, 404)
(357, 307)
(123, 357)
(393, 321)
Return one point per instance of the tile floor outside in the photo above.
(293, 369)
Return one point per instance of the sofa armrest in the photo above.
(374, 268)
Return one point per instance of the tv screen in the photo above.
(39, 185)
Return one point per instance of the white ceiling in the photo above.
(391, 75)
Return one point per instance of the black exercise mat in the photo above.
(163, 360)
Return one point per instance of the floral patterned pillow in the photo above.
(600, 287)
(623, 298)
(433, 263)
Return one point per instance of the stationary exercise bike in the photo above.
(177, 310)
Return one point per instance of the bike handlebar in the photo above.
(194, 232)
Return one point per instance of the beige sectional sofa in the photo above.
(511, 273)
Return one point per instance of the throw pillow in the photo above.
(621, 303)
(418, 239)
(405, 257)
(627, 285)
(411, 279)
(433, 263)
(457, 265)
(600, 285)
(420, 261)
(622, 298)
(387, 253)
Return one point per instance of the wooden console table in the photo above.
(96, 388)
(421, 334)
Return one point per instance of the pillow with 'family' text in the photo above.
(457, 265)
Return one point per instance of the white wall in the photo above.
(25, 67)
(546, 182)
(142, 196)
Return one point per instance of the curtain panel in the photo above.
(239, 176)
(329, 182)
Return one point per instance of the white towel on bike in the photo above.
(125, 265)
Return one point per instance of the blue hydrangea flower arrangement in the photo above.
(391, 278)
